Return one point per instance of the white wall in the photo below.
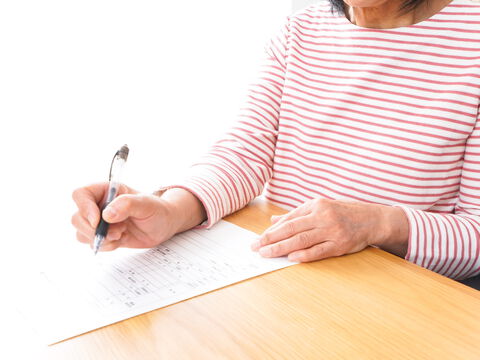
(298, 4)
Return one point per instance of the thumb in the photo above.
(125, 206)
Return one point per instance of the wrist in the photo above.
(186, 210)
(393, 230)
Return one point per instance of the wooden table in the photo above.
(370, 305)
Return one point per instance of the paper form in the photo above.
(93, 291)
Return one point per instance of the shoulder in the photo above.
(466, 4)
(460, 20)
(459, 10)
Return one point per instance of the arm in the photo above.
(450, 243)
(237, 167)
(445, 243)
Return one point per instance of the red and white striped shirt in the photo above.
(386, 116)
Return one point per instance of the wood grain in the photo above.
(369, 305)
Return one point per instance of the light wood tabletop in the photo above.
(369, 305)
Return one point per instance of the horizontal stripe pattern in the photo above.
(385, 116)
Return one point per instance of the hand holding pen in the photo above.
(134, 220)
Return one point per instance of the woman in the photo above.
(363, 123)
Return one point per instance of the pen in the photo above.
(118, 161)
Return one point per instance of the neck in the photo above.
(389, 14)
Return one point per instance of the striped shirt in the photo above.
(385, 116)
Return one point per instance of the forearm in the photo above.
(187, 210)
(446, 243)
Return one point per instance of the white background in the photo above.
(298, 4)
(78, 79)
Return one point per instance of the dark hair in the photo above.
(408, 5)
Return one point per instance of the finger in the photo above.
(275, 218)
(302, 240)
(127, 240)
(317, 252)
(84, 239)
(82, 225)
(303, 209)
(114, 232)
(284, 230)
(87, 199)
(116, 237)
(125, 206)
(111, 245)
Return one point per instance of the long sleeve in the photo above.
(387, 116)
(237, 167)
(450, 243)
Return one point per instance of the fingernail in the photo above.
(110, 212)
(265, 251)
(92, 219)
(255, 245)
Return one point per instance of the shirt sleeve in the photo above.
(449, 244)
(237, 167)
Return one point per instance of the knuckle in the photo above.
(128, 201)
(327, 208)
(318, 204)
(76, 193)
(81, 238)
(265, 240)
(319, 201)
(304, 257)
(329, 214)
(277, 249)
(318, 253)
(123, 201)
(73, 219)
(303, 239)
(272, 250)
(142, 198)
(290, 228)
(318, 218)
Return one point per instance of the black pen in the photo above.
(119, 160)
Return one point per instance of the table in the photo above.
(369, 305)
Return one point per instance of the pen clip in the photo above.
(111, 165)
